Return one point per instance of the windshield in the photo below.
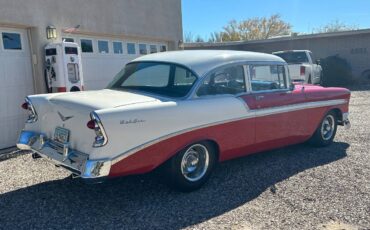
(164, 79)
(294, 57)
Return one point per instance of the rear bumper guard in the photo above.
(92, 171)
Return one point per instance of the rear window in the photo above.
(163, 79)
(294, 57)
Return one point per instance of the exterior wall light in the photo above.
(51, 32)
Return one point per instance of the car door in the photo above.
(277, 122)
(228, 83)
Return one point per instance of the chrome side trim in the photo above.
(295, 107)
(250, 114)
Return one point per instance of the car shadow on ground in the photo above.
(145, 202)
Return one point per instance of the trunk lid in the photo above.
(71, 111)
(295, 71)
(101, 99)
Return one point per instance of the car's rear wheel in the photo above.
(325, 133)
(191, 167)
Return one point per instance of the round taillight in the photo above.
(25, 106)
(91, 124)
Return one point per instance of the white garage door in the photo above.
(103, 58)
(15, 83)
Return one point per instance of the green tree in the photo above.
(253, 29)
(335, 26)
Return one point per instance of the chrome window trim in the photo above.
(186, 97)
(215, 70)
(287, 79)
(193, 91)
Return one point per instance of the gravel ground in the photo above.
(298, 187)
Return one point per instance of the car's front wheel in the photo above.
(191, 167)
(326, 131)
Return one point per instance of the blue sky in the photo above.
(201, 17)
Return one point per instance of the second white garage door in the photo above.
(15, 83)
(103, 58)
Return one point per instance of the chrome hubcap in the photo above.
(327, 127)
(195, 162)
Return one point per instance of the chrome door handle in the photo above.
(259, 97)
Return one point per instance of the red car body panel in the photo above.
(247, 136)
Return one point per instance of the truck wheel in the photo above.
(191, 167)
(326, 131)
(321, 79)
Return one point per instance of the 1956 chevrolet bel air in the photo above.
(185, 111)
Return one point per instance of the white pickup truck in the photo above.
(302, 66)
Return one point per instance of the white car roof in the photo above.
(202, 61)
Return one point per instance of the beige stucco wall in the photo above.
(345, 45)
(157, 20)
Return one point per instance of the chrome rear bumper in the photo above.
(76, 162)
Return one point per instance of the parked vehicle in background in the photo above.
(185, 111)
(302, 66)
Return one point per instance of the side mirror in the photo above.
(291, 87)
(318, 62)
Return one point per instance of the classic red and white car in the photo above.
(185, 111)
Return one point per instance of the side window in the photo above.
(12, 41)
(228, 80)
(183, 77)
(268, 77)
(150, 76)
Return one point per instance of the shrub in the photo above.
(336, 71)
